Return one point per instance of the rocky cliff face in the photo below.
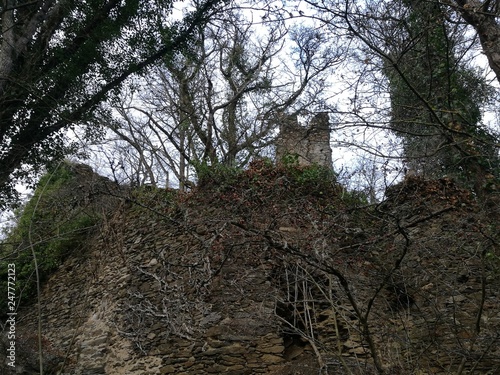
(275, 274)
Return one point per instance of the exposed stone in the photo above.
(169, 369)
(226, 303)
(311, 144)
(270, 358)
(272, 349)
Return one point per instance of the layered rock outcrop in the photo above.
(267, 276)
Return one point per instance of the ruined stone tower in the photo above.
(311, 143)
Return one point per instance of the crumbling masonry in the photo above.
(311, 143)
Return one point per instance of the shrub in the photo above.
(220, 175)
(52, 224)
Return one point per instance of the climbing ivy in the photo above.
(51, 225)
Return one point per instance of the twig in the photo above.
(37, 274)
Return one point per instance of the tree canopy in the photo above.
(226, 71)
(436, 96)
(60, 59)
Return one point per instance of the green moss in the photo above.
(220, 175)
(51, 225)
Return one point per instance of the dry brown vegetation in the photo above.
(280, 270)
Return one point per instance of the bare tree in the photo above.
(440, 85)
(220, 101)
(483, 17)
(59, 60)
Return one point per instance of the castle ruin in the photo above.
(310, 143)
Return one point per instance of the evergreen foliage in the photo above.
(262, 177)
(52, 225)
(60, 60)
(437, 98)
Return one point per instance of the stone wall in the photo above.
(146, 301)
(225, 282)
(311, 144)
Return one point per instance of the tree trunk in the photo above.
(7, 45)
(483, 19)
